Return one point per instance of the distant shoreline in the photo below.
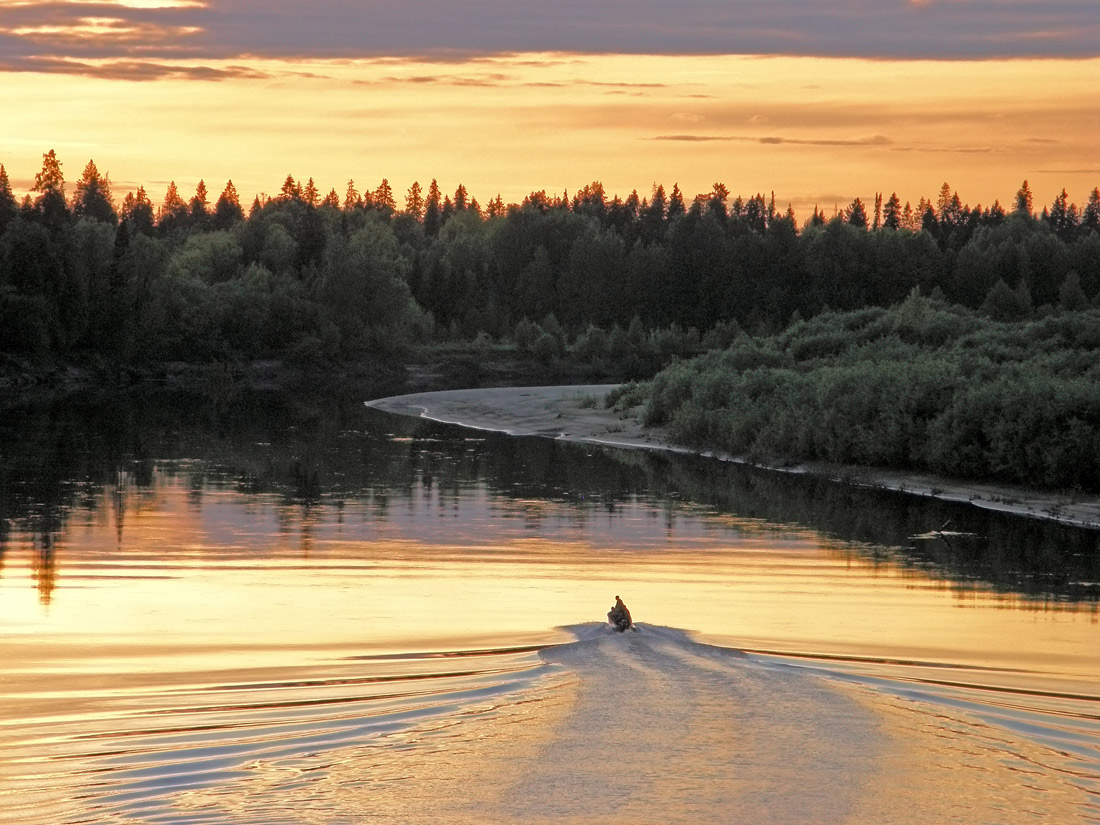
(576, 413)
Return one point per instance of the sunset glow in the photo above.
(163, 90)
(814, 130)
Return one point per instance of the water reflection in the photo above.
(317, 459)
(283, 602)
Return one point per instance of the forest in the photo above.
(314, 279)
(941, 337)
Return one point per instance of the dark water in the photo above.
(297, 610)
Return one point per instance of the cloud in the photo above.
(462, 29)
(775, 140)
(129, 69)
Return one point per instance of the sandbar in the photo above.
(578, 412)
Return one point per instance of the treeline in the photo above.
(923, 386)
(302, 276)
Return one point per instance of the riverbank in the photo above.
(408, 370)
(577, 412)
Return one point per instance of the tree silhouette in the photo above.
(291, 190)
(857, 214)
(49, 179)
(49, 183)
(137, 212)
(92, 196)
(352, 199)
(891, 212)
(716, 200)
(1090, 219)
(1062, 217)
(433, 214)
(200, 207)
(1024, 200)
(227, 209)
(414, 201)
(461, 201)
(173, 212)
(8, 206)
(676, 206)
(383, 197)
(309, 193)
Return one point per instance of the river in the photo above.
(301, 610)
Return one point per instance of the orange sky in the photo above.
(814, 130)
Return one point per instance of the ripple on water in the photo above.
(644, 727)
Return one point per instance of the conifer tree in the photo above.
(49, 183)
(658, 203)
(433, 215)
(676, 203)
(290, 191)
(1024, 200)
(8, 206)
(716, 200)
(461, 200)
(857, 214)
(137, 212)
(414, 201)
(633, 206)
(383, 197)
(310, 194)
(173, 211)
(891, 212)
(908, 218)
(943, 202)
(352, 198)
(92, 196)
(200, 206)
(1062, 217)
(228, 210)
(49, 179)
(1090, 218)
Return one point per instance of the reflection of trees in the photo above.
(44, 567)
(316, 453)
(1035, 558)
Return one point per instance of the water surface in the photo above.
(308, 611)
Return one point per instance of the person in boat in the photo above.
(619, 616)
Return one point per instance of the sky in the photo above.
(819, 102)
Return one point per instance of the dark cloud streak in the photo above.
(774, 140)
(58, 34)
(842, 28)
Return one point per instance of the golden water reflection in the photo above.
(182, 577)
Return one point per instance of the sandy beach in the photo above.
(578, 413)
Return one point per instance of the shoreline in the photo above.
(576, 412)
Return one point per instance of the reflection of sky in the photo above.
(224, 522)
(248, 575)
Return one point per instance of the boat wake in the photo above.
(646, 727)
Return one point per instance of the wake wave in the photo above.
(666, 729)
(646, 727)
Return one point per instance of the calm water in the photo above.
(310, 612)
